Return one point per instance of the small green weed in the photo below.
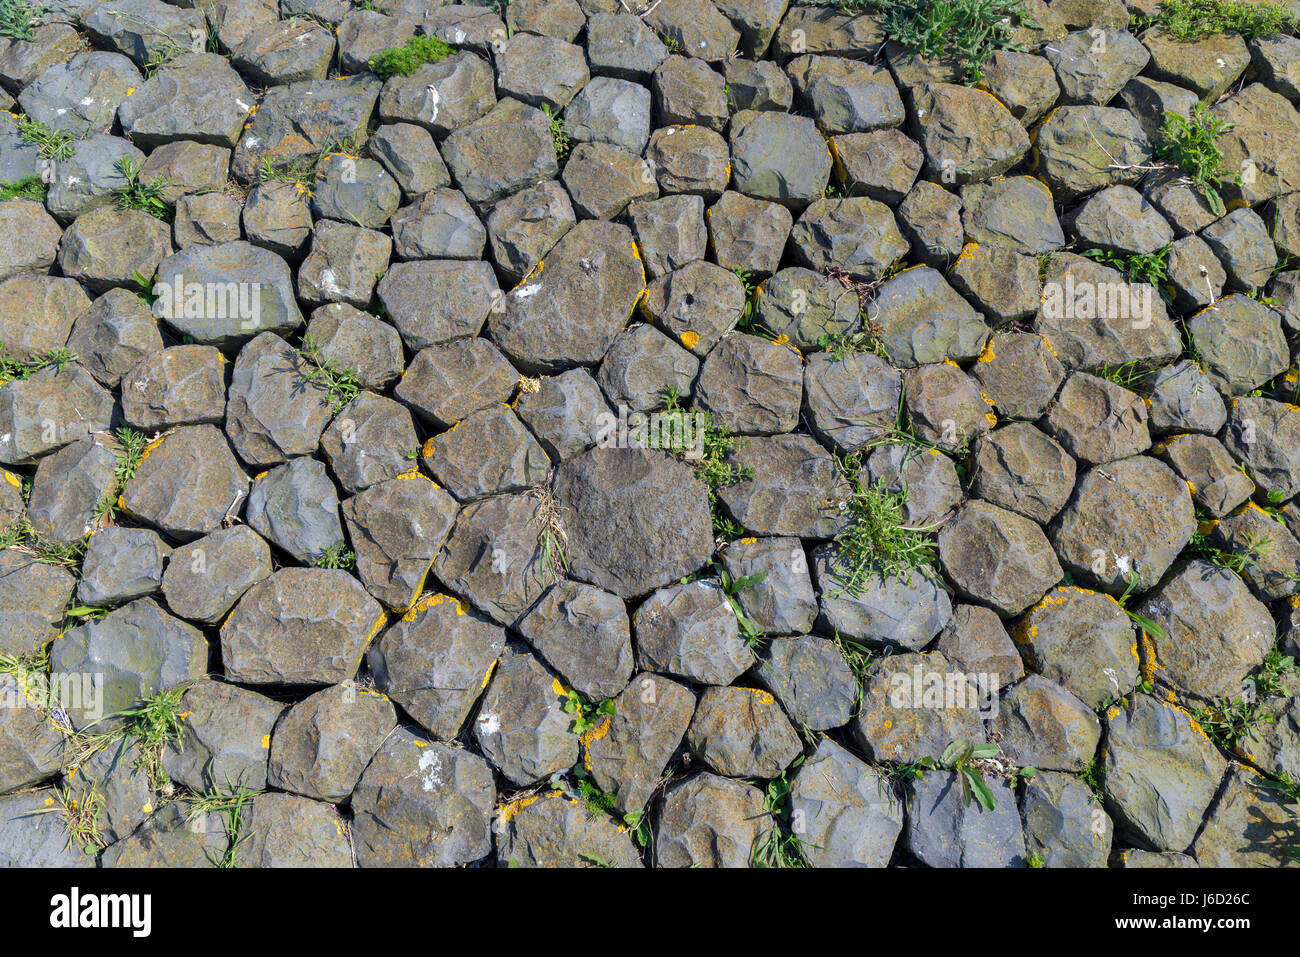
(19, 19)
(409, 57)
(752, 634)
(230, 804)
(1191, 144)
(12, 368)
(131, 446)
(841, 344)
(780, 846)
(1138, 267)
(967, 31)
(139, 193)
(712, 467)
(337, 555)
(585, 713)
(53, 144)
(559, 134)
(341, 384)
(153, 723)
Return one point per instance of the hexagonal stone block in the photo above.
(751, 385)
(225, 293)
(556, 830)
(1082, 640)
(301, 626)
(48, 411)
(522, 726)
(851, 814)
(225, 739)
(1160, 772)
(132, 653)
(371, 440)
(793, 488)
(502, 152)
(1017, 467)
(435, 301)
(295, 506)
(179, 385)
(121, 564)
(186, 483)
(569, 312)
(584, 634)
(205, 577)
(742, 732)
(1215, 631)
(626, 754)
(322, 744)
(810, 678)
(922, 319)
(435, 661)
(710, 822)
(423, 803)
(616, 539)
(779, 157)
(1128, 517)
(396, 529)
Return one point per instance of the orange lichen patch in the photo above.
(1149, 664)
(763, 698)
(594, 733)
(131, 92)
(690, 338)
(12, 479)
(558, 687)
(374, 629)
(967, 252)
(748, 541)
(784, 340)
(949, 362)
(988, 354)
(429, 601)
(266, 742)
(992, 419)
(428, 447)
(148, 449)
(509, 811)
(420, 744)
(1048, 342)
(487, 675)
(412, 473)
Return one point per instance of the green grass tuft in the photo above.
(877, 542)
(29, 187)
(1190, 20)
(139, 193)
